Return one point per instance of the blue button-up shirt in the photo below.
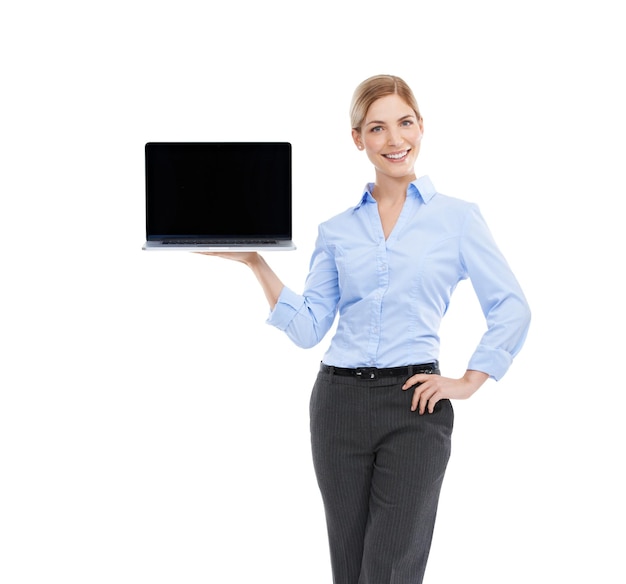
(392, 294)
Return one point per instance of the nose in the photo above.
(395, 138)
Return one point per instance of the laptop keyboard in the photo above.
(219, 242)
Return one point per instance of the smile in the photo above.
(397, 155)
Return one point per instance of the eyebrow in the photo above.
(400, 119)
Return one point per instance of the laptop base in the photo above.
(161, 246)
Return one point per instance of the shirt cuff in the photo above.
(494, 362)
(288, 305)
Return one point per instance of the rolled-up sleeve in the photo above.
(307, 317)
(501, 298)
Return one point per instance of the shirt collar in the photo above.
(421, 187)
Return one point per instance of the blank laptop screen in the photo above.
(218, 190)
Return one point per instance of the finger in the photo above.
(424, 399)
(418, 394)
(415, 380)
(432, 402)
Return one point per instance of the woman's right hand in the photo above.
(245, 257)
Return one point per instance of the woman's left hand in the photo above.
(432, 388)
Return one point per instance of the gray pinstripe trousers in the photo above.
(380, 468)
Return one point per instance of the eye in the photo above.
(407, 122)
(376, 129)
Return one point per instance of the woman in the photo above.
(381, 417)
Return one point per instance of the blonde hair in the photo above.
(374, 88)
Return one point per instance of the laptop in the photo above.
(218, 196)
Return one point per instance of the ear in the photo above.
(356, 136)
(421, 125)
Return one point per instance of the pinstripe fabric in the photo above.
(380, 468)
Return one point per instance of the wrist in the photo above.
(253, 260)
(475, 378)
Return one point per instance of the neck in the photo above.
(391, 190)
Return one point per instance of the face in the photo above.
(391, 135)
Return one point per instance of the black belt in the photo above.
(375, 373)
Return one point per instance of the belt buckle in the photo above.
(366, 372)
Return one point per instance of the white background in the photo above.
(153, 428)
